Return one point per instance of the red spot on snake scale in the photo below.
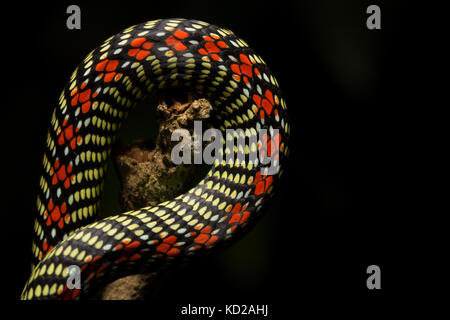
(69, 294)
(132, 52)
(112, 65)
(167, 246)
(109, 76)
(101, 65)
(50, 205)
(163, 247)
(173, 252)
(244, 68)
(240, 215)
(74, 100)
(142, 54)
(235, 68)
(175, 40)
(266, 101)
(222, 44)
(180, 34)
(137, 42)
(131, 246)
(211, 47)
(140, 50)
(170, 239)
(68, 132)
(171, 40)
(245, 59)
(234, 218)
(237, 207)
(205, 236)
(62, 173)
(262, 183)
(135, 257)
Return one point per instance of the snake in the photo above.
(151, 58)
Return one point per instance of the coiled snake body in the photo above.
(157, 55)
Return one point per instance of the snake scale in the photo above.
(144, 59)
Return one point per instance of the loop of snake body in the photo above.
(151, 57)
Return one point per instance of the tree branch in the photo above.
(148, 176)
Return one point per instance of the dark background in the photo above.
(338, 209)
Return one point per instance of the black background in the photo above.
(339, 208)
